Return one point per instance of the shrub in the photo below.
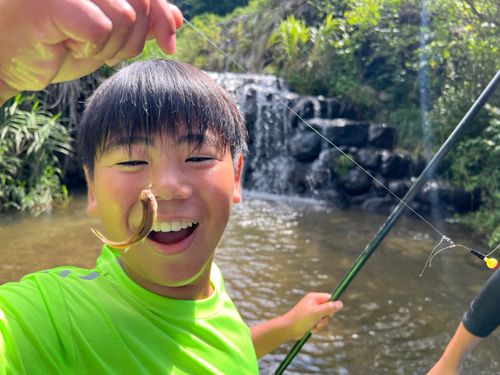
(32, 142)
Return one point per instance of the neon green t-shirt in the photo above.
(70, 320)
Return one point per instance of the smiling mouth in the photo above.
(172, 232)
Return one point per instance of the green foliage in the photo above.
(316, 59)
(31, 140)
(416, 65)
(342, 165)
(191, 8)
(200, 50)
(241, 35)
(476, 164)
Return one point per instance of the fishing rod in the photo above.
(398, 210)
(404, 202)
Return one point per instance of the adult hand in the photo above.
(47, 41)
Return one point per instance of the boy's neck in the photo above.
(201, 289)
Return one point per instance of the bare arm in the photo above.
(312, 313)
(48, 41)
(459, 346)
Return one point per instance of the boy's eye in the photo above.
(199, 159)
(132, 163)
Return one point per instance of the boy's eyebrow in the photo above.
(189, 138)
(193, 138)
(126, 142)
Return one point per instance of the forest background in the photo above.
(417, 65)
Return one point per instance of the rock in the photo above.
(320, 174)
(368, 158)
(395, 164)
(355, 182)
(305, 108)
(378, 204)
(333, 198)
(454, 200)
(399, 187)
(305, 147)
(418, 165)
(342, 132)
(331, 108)
(382, 136)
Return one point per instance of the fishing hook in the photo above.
(450, 142)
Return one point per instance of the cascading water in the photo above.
(268, 106)
(267, 120)
(287, 157)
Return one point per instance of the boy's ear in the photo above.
(91, 201)
(237, 179)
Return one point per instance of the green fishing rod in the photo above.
(398, 210)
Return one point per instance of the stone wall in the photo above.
(320, 147)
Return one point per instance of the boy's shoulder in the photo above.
(51, 281)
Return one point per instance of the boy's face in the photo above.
(194, 189)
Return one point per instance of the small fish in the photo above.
(149, 209)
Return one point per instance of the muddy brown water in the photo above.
(276, 249)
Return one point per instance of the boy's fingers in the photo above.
(321, 297)
(329, 308)
(337, 305)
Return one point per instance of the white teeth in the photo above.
(172, 226)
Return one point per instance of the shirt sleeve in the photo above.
(483, 316)
(29, 338)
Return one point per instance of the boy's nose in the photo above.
(170, 184)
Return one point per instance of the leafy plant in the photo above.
(416, 65)
(475, 165)
(31, 144)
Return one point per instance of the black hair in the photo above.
(163, 97)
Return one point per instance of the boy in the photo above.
(160, 306)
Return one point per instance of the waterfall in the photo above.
(287, 157)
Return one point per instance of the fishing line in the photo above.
(292, 111)
(450, 142)
(491, 263)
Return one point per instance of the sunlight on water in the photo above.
(277, 249)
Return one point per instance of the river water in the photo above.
(276, 249)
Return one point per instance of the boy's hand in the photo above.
(312, 313)
(48, 41)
